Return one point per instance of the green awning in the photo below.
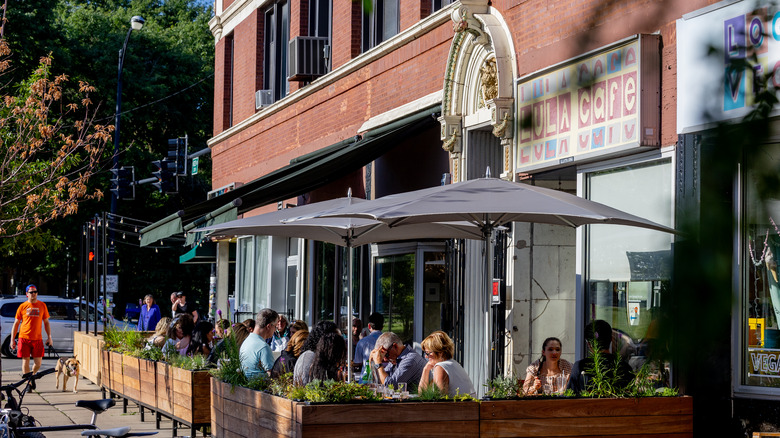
(165, 227)
(206, 252)
(226, 213)
(304, 174)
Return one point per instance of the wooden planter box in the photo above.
(191, 396)
(131, 378)
(645, 417)
(87, 348)
(105, 369)
(164, 387)
(242, 411)
(116, 383)
(147, 374)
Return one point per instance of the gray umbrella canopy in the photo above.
(344, 231)
(490, 202)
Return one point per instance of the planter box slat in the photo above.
(148, 377)
(130, 378)
(443, 429)
(654, 425)
(515, 409)
(375, 413)
(279, 426)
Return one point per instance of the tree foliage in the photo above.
(49, 149)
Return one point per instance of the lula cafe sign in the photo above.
(600, 104)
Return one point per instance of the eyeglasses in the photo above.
(32, 291)
(427, 353)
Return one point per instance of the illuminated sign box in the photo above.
(605, 103)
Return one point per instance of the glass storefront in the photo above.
(394, 293)
(629, 269)
(760, 288)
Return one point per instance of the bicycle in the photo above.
(16, 422)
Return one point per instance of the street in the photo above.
(52, 407)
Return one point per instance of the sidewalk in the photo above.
(52, 407)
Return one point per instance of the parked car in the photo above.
(63, 320)
(132, 311)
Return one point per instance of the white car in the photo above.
(63, 320)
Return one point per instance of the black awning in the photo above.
(311, 171)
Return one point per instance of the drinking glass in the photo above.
(547, 385)
(403, 393)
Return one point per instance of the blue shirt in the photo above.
(408, 368)
(147, 321)
(254, 352)
(363, 350)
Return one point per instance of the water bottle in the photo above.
(366, 377)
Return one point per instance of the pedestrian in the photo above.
(376, 322)
(150, 315)
(285, 363)
(181, 306)
(392, 362)
(301, 372)
(441, 370)
(29, 316)
(281, 336)
(202, 339)
(160, 333)
(598, 337)
(549, 368)
(179, 334)
(255, 353)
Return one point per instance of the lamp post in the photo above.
(136, 23)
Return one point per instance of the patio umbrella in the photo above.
(489, 203)
(343, 231)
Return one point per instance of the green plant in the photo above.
(122, 341)
(150, 352)
(503, 387)
(432, 392)
(229, 365)
(282, 385)
(192, 363)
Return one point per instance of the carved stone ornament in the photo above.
(501, 117)
(450, 133)
(488, 77)
(463, 21)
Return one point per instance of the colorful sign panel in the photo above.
(763, 362)
(590, 107)
(709, 45)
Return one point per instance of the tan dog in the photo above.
(67, 368)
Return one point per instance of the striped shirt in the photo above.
(408, 368)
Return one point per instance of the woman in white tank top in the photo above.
(441, 370)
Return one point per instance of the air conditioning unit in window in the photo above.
(263, 98)
(308, 58)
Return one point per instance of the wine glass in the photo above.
(547, 385)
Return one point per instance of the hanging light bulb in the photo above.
(156, 250)
(123, 236)
(122, 220)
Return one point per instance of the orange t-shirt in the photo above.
(32, 316)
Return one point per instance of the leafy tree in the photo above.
(45, 160)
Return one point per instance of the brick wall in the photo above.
(544, 33)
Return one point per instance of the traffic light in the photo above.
(177, 152)
(165, 172)
(123, 182)
(91, 256)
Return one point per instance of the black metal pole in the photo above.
(81, 272)
(84, 286)
(96, 291)
(105, 273)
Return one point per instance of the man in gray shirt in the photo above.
(392, 362)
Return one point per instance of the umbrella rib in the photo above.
(566, 221)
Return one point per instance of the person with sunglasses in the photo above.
(441, 370)
(29, 316)
(392, 362)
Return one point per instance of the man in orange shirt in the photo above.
(30, 314)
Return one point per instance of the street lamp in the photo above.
(136, 23)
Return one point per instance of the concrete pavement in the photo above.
(52, 407)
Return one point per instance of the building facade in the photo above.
(601, 99)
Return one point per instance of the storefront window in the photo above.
(394, 289)
(434, 292)
(760, 322)
(628, 268)
(252, 279)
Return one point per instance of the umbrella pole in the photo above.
(351, 258)
(488, 291)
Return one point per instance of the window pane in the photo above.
(325, 281)
(245, 273)
(434, 292)
(628, 268)
(262, 279)
(389, 19)
(394, 289)
(760, 289)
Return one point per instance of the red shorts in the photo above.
(29, 347)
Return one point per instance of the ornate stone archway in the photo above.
(479, 77)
